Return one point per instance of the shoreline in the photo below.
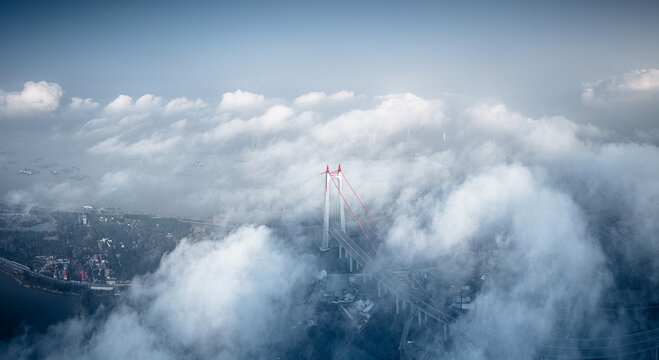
(30, 279)
(20, 281)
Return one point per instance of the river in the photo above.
(24, 308)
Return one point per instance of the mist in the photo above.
(550, 214)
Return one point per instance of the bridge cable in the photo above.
(580, 343)
(360, 200)
(353, 215)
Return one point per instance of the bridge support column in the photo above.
(418, 312)
(397, 306)
(325, 245)
(363, 276)
(342, 212)
(339, 251)
(404, 305)
(379, 290)
(445, 332)
(425, 317)
(350, 261)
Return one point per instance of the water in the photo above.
(22, 307)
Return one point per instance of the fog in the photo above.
(557, 213)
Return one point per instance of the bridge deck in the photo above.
(390, 281)
(630, 344)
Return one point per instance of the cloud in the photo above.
(124, 104)
(121, 104)
(641, 80)
(83, 104)
(239, 100)
(624, 87)
(147, 103)
(217, 299)
(35, 98)
(273, 120)
(122, 116)
(393, 115)
(557, 212)
(314, 98)
(155, 145)
(182, 104)
(544, 137)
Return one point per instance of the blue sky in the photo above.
(532, 55)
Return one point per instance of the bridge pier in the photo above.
(397, 305)
(350, 261)
(379, 290)
(339, 251)
(445, 332)
(419, 316)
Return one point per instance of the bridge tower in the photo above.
(342, 215)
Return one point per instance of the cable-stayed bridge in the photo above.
(640, 345)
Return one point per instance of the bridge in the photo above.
(643, 344)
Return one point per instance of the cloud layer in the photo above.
(470, 187)
(634, 83)
(210, 299)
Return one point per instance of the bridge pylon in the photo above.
(326, 213)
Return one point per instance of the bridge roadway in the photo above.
(644, 343)
(418, 300)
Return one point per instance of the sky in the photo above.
(531, 55)
(546, 181)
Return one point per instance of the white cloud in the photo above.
(545, 137)
(148, 103)
(35, 98)
(511, 195)
(623, 87)
(224, 299)
(239, 100)
(275, 119)
(114, 182)
(152, 146)
(182, 104)
(530, 238)
(314, 98)
(122, 104)
(641, 80)
(83, 104)
(180, 124)
(394, 115)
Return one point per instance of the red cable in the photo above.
(353, 215)
(360, 200)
